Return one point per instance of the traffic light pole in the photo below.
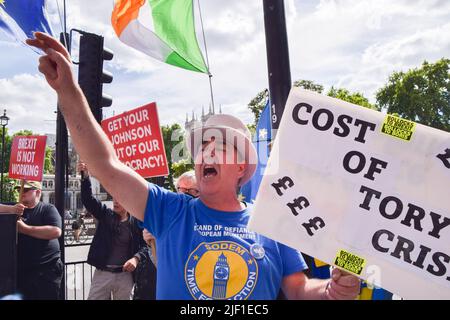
(60, 172)
(278, 65)
(91, 75)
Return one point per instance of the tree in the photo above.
(421, 94)
(308, 85)
(48, 163)
(8, 143)
(355, 98)
(173, 136)
(9, 194)
(257, 104)
(252, 128)
(180, 167)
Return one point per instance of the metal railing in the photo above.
(78, 275)
(87, 231)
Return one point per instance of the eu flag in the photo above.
(261, 141)
(19, 18)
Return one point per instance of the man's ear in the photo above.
(241, 170)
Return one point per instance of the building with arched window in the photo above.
(72, 199)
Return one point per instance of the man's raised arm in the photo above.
(90, 141)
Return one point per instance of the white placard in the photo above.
(361, 190)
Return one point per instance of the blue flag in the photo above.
(19, 18)
(261, 141)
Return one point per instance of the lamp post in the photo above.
(4, 122)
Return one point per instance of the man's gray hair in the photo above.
(188, 175)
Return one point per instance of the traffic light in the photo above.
(91, 75)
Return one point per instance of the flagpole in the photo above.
(63, 23)
(207, 58)
(61, 159)
(65, 19)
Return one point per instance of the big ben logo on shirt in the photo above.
(221, 270)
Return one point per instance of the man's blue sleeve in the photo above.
(292, 260)
(162, 210)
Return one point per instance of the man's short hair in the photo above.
(188, 175)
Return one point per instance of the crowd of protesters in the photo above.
(123, 253)
(151, 228)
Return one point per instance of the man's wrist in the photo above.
(326, 295)
(68, 94)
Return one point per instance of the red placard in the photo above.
(137, 139)
(27, 158)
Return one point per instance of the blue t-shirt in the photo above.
(209, 254)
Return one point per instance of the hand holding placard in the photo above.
(360, 190)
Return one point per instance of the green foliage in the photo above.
(420, 94)
(23, 133)
(257, 104)
(355, 98)
(9, 195)
(180, 167)
(48, 165)
(308, 85)
(8, 142)
(252, 128)
(169, 144)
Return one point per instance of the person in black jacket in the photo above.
(117, 247)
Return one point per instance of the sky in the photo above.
(354, 44)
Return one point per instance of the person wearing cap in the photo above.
(39, 262)
(205, 250)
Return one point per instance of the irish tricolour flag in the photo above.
(171, 35)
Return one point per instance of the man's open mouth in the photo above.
(209, 171)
